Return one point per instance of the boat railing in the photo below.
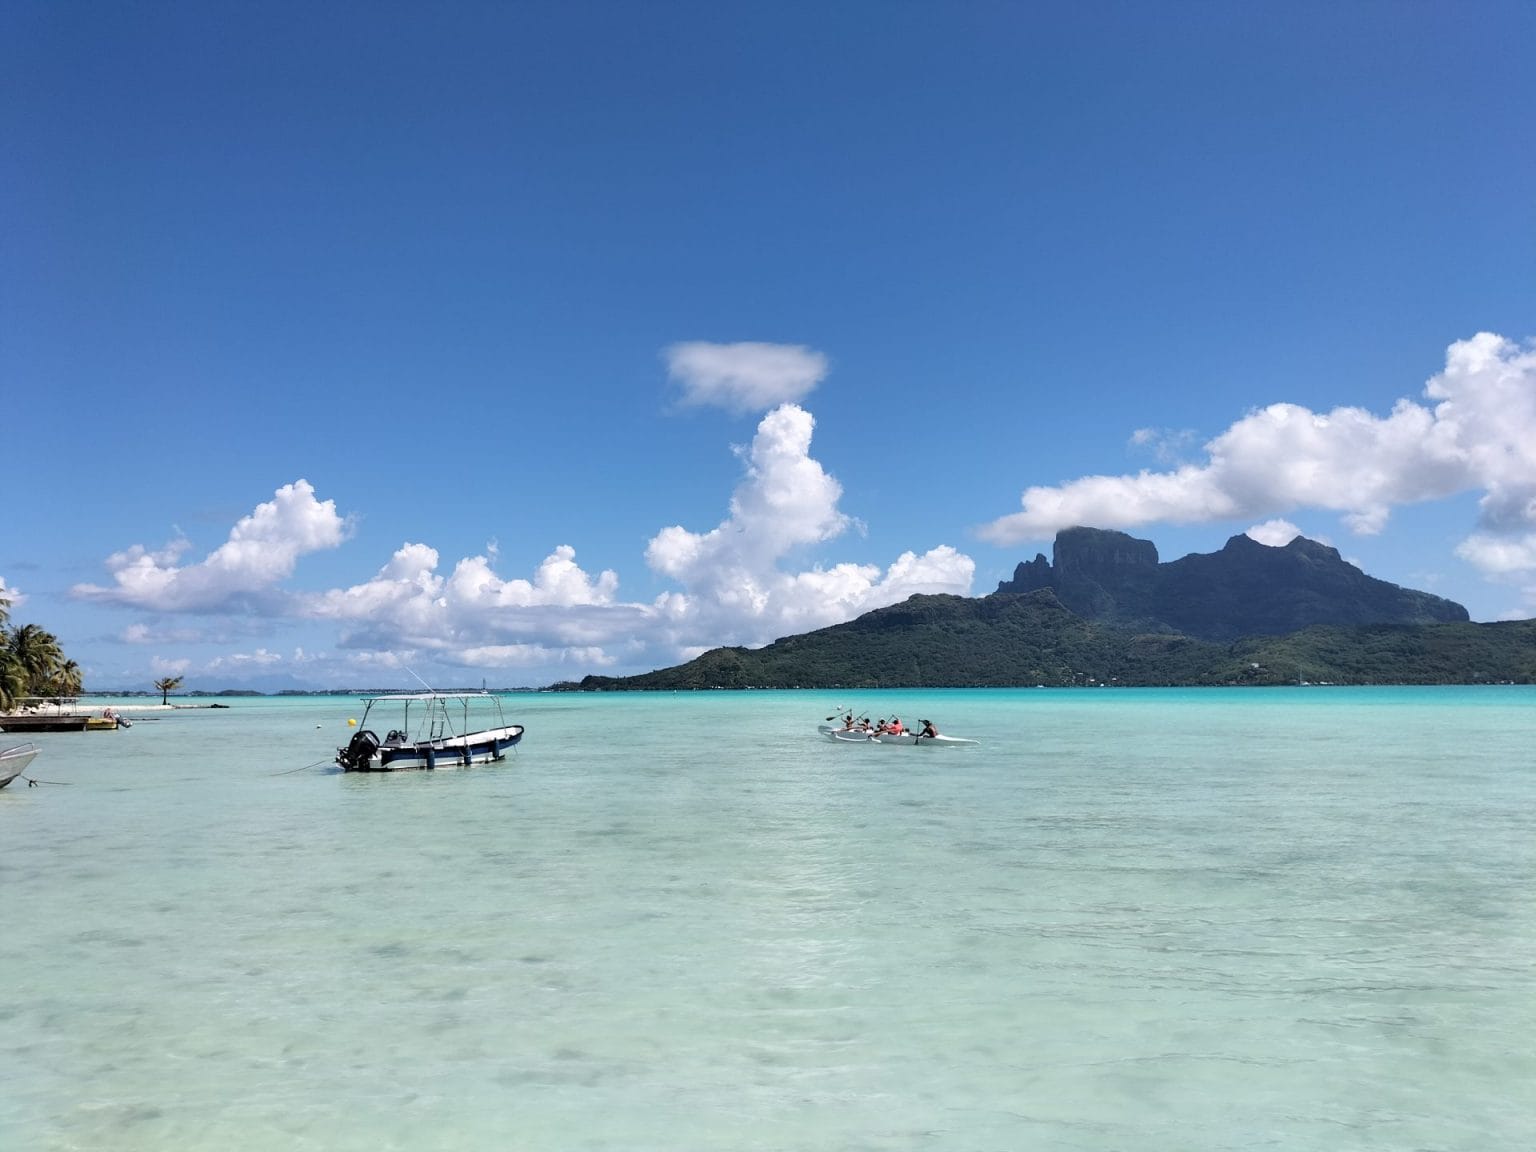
(438, 724)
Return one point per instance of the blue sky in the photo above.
(347, 344)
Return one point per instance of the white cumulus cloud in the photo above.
(1275, 533)
(752, 578)
(732, 576)
(242, 574)
(1500, 555)
(14, 597)
(1480, 434)
(246, 661)
(734, 587)
(745, 377)
(473, 616)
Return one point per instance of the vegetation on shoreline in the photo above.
(32, 663)
(1007, 640)
(1002, 640)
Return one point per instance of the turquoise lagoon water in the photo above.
(1296, 919)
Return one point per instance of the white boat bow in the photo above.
(13, 761)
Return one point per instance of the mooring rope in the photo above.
(303, 768)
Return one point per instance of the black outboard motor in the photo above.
(358, 752)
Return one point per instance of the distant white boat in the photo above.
(13, 760)
(451, 730)
(871, 736)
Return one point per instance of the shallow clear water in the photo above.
(1299, 919)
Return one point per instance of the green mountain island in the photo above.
(1105, 611)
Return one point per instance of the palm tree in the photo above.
(66, 681)
(13, 677)
(37, 651)
(11, 685)
(167, 685)
(31, 662)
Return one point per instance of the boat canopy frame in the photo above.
(438, 721)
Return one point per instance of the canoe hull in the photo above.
(894, 739)
(912, 738)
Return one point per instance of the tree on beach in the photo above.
(13, 679)
(31, 663)
(38, 651)
(166, 685)
(67, 681)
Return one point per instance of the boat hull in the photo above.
(451, 730)
(452, 752)
(13, 761)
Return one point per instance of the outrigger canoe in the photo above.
(870, 736)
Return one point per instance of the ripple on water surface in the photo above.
(1153, 920)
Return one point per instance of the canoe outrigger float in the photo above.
(442, 736)
(872, 736)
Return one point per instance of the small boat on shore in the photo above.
(14, 760)
(451, 730)
(874, 736)
(108, 721)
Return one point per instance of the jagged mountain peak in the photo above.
(1246, 589)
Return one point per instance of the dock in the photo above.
(51, 714)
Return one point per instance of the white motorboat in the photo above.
(874, 736)
(436, 730)
(13, 760)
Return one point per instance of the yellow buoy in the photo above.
(351, 723)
